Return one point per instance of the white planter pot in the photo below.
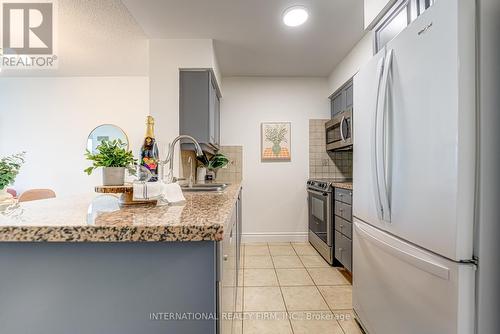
(113, 176)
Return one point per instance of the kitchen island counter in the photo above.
(91, 218)
(85, 262)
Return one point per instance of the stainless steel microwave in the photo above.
(339, 132)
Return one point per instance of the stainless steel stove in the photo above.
(321, 229)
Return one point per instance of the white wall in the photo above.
(50, 118)
(350, 65)
(375, 10)
(274, 194)
(95, 38)
(166, 57)
(102, 78)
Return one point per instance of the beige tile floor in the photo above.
(287, 288)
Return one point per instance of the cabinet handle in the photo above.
(225, 257)
(341, 226)
(341, 249)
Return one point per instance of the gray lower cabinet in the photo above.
(107, 287)
(343, 195)
(229, 259)
(343, 227)
(199, 107)
(343, 250)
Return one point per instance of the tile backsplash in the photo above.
(230, 174)
(323, 164)
(234, 170)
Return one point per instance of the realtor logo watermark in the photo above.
(28, 39)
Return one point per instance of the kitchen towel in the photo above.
(147, 190)
(171, 192)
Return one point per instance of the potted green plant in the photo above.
(213, 164)
(9, 168)
(114, 157)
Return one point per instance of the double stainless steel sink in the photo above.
(207, 187)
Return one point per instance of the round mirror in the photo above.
(105, 132)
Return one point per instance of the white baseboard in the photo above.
(274, 237)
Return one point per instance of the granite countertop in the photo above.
(98, 218)
(343, 185)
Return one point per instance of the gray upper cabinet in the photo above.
(342, 99)
(349, 96)
(199, 104)
(337, 104)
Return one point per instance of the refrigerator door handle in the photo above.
(378, 205)
(412, 259)
(381, 140)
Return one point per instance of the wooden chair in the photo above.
(36, 194)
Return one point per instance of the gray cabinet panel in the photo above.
(343, 195)
(227, 301)
(349, 96)
(229, 259)
(194, 105)
(337, 104)
(214, 114)
(211, 110)
(347, 253)
(342, 99)
(338, 246)
(217, 121)
(343, 250)
(343, 226)
(239, 231)
(199, 106)
(95, 288)
(343, 210)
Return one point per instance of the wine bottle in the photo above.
(149, 150)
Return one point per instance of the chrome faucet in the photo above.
(170, 156)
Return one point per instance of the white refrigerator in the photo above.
(414, 178)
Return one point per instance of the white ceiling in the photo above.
(250, 38)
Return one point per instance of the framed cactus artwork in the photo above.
(276, 141)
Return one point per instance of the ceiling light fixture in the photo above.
(295, 16)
